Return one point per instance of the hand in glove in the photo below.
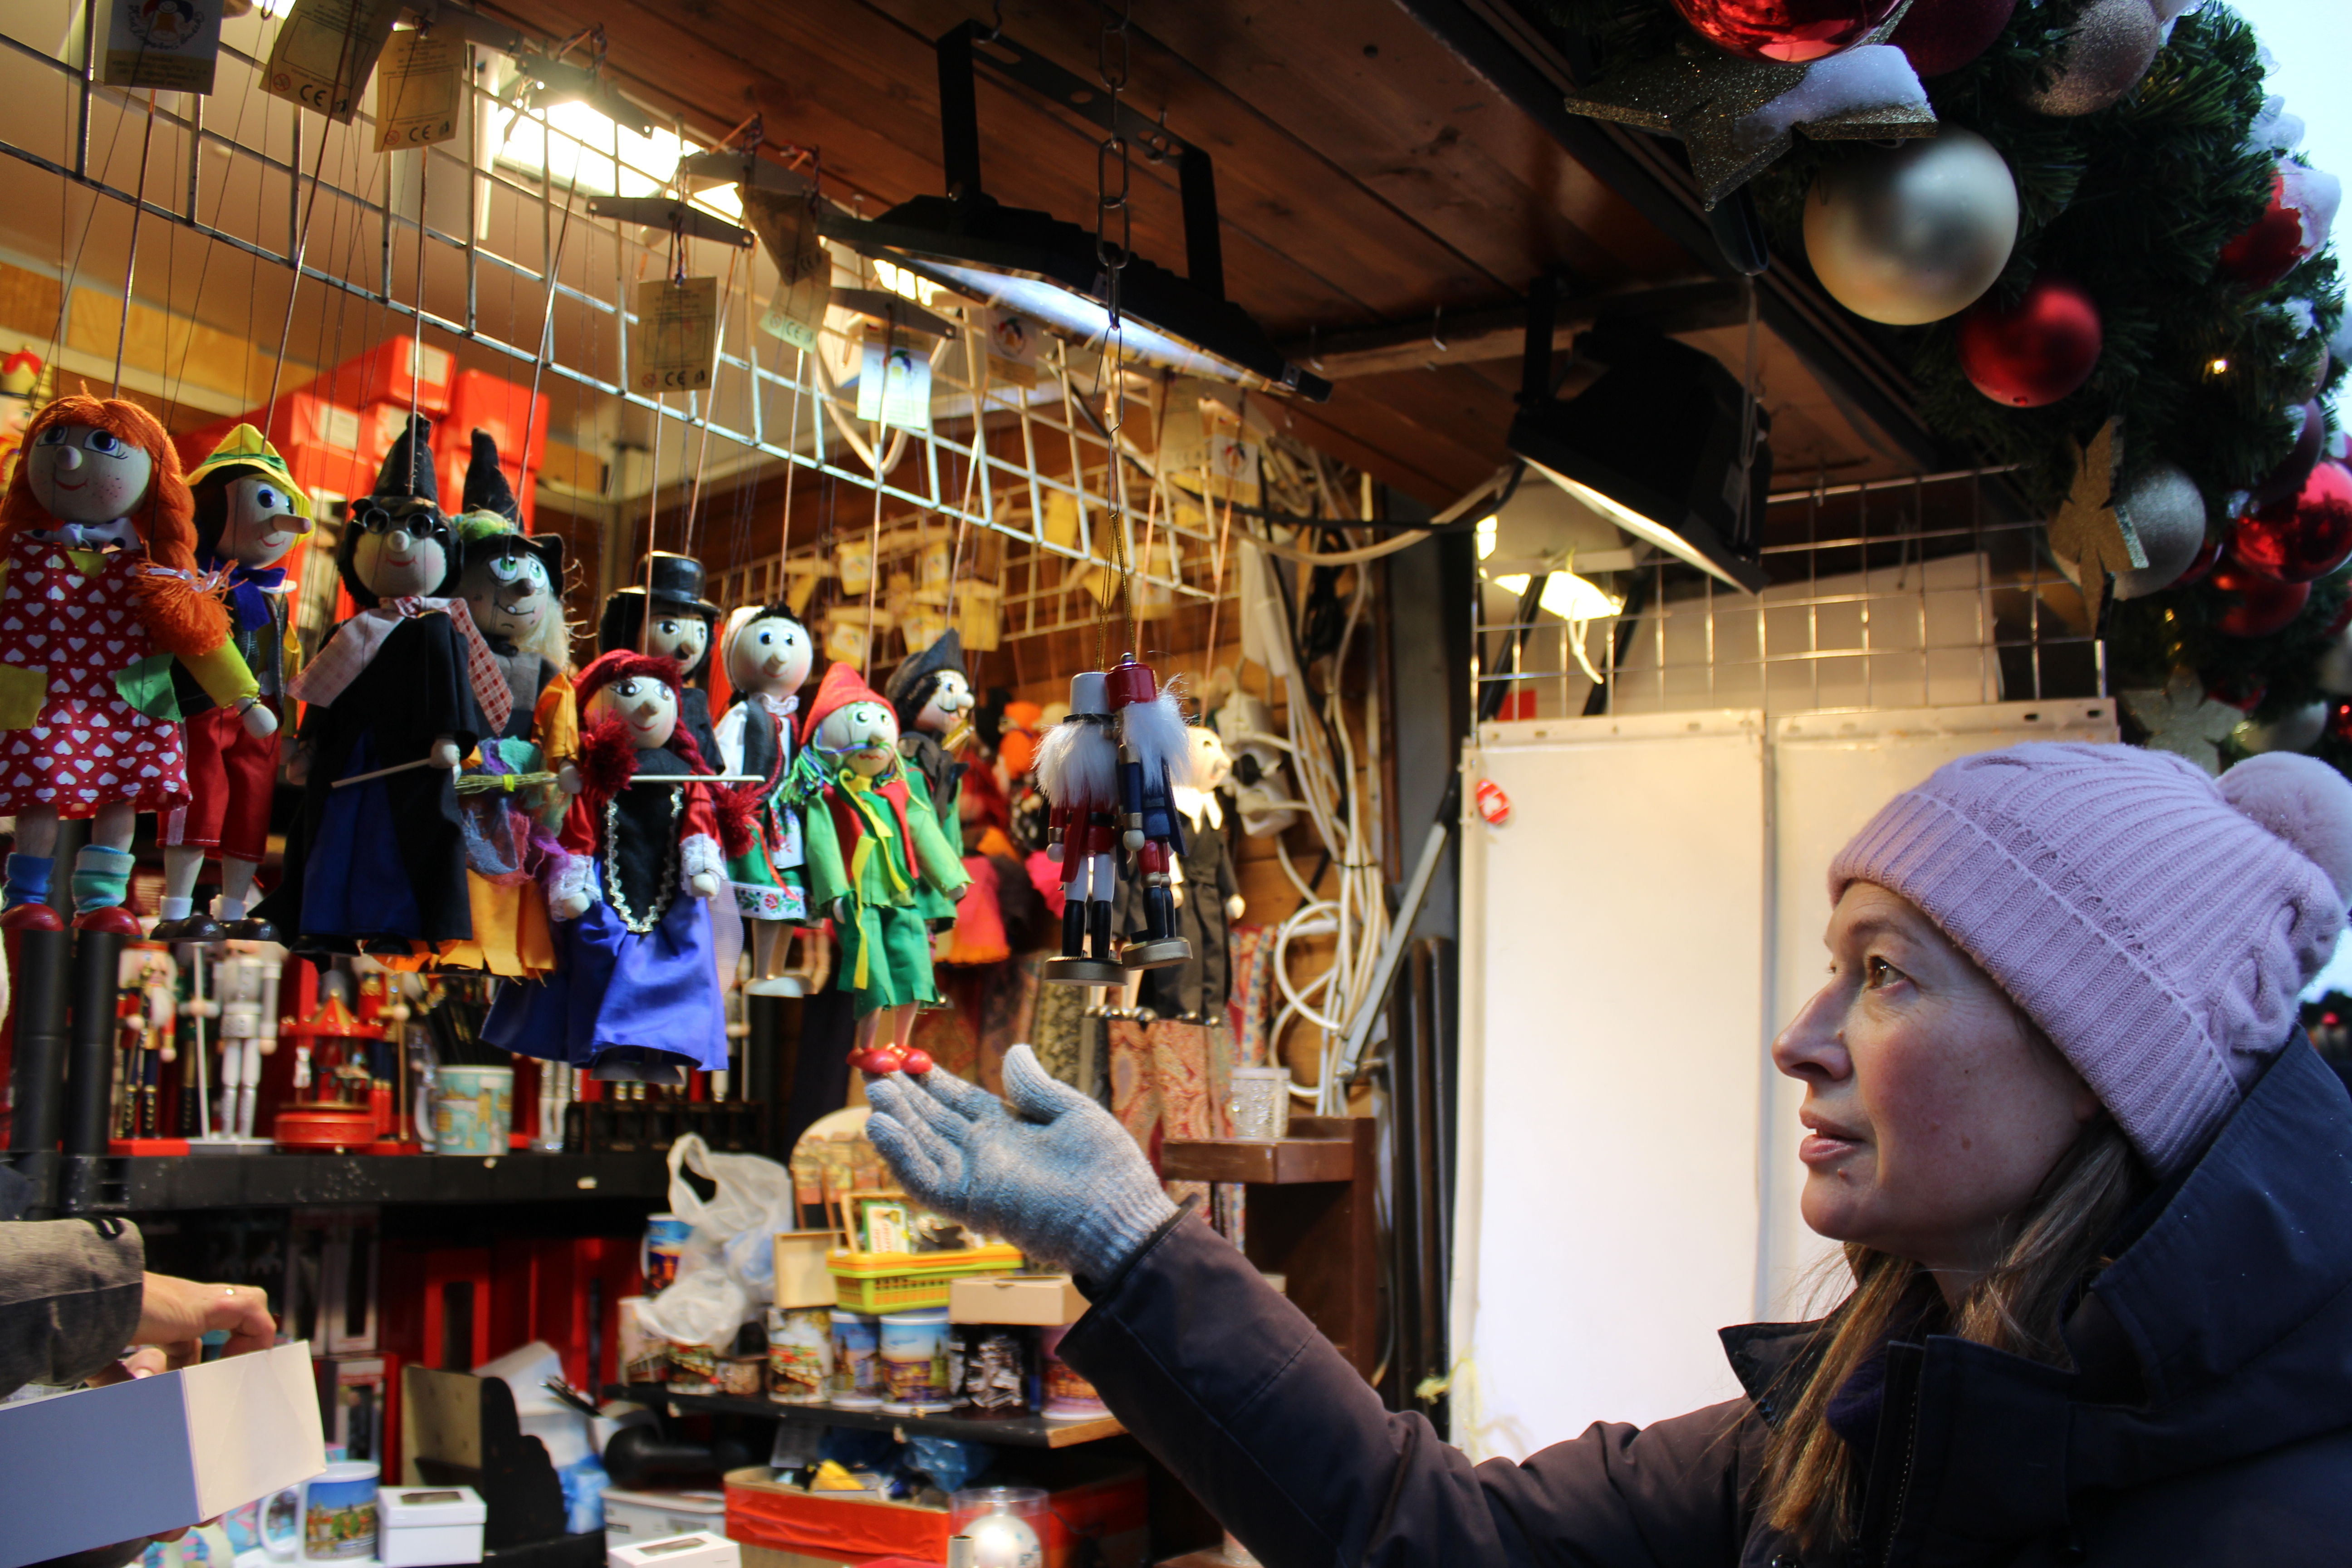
(1046, 1168)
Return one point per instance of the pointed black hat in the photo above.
(486, 481)
(408, 465)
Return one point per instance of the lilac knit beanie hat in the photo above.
(2156, 923)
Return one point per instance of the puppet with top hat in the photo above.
(663, 613)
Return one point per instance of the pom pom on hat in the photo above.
(2304, 802)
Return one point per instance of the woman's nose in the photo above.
(1811, 1046)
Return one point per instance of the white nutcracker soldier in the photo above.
(1078, 769)
(1155, 755)
(245, 985)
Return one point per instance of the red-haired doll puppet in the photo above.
(100, 595)
(637, 998)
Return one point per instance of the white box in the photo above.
(102, 1464)
(424, 1527)
(701, 1550)
(652, 1516)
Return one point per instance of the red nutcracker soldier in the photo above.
(1155, 755)
(1077, 768)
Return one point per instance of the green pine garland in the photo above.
(2135, 203)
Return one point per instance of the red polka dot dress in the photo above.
(69, 627)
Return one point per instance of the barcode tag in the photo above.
(161, 44)
(418, 89)
(672, 341)
(787, 228)
(325, 51)
(896, 388)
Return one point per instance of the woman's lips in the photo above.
(1825, 1148)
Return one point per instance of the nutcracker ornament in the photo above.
(99, 594)
(930, 694)
(637, 998)
(248, 514)
(767, 653)
(663, 613)
(1079, 771)
(1155, 757)
(395, 697)
(878, 863)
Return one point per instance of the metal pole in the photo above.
(37, 1070)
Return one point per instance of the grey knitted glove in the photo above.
(1051, 1171)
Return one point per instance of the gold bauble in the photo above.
(2109, 50)
(1915, 232)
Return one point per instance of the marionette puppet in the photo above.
(662, 613)
(1155, 757)
(395, 697)
(1207, 896)
(511, 583)
(99, 593)
(930, 695)
(767, 654)
(248, 514)
(637, 998)
(877, 863)
(1078, 771)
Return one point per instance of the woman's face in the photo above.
(1932, 1110)
(80, 473)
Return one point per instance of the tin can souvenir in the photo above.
(664, 1244)
(644, 1354)
(856, 1357)
(915, 1376)
(800, 1354)
(996, 1368)
(693, 1369)
(1067, 1395)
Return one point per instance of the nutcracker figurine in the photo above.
(1155, 756)
(249, 513)
(1078, 770)
(877, 862)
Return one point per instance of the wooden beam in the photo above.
(1498, 332)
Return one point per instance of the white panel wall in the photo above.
(1633, 940)
(1613, 962)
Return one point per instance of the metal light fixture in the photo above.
(1036, 265)
(1654, 444)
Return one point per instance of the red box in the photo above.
(1104, 1521)
(480, 400)
(381, 375)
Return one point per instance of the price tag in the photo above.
(896, 388)
(787, 229)
(675, 336)
(171, 45)
(1012, 347)
(418, 91)
(325, 51)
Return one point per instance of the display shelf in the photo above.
(142, 1184)
(1011, 1431)
(1321, 1149)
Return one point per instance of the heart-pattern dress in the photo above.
(71, 613)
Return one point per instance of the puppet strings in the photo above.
(702, 454)
(310, 210)
(130, 262)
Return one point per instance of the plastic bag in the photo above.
(728, 1268)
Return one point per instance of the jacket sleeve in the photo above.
(1232, 1388)
(69, 1297)
(828, 873)
(934, 861)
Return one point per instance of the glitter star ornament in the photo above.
(1737, 116)
(2181, 719)
(2089, 538)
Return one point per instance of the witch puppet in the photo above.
(397, 696)
(878, 864)
(513, 791)
(248, 514)
(637, 998)
(930, 694)
(99, 595)
(767, 654)
(662, 613)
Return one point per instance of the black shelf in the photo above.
(1011, 1431)
(141, 1183)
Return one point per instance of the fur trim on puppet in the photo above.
(1077, 764)
(697, 853)
(1158, 733)
(183, 619)
(607, 758)
(571, 876)
(737, 808)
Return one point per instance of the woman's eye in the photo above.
(1881, 974)
(103, 443)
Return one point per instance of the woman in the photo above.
(2094, 1188)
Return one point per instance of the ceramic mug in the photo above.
(339, 1520)
(663, 1248)
(466, 1109)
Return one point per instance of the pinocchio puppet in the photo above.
(102, 592)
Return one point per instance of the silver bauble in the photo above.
(2109, 50)
(1914, 232)
(2164, 507)
(2335, 671)
(2298, 732)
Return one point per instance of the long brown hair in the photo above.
(2053, 1247)
(179, 618)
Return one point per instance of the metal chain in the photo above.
(1111, 62)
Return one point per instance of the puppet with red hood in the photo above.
(637, 996)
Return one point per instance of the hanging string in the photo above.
(417, 337)
(343, 63)
(545, 345)
(130, 262)
(792, 471)
(1112, 257)
(718, 351)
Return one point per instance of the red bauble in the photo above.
(2339, 723)
(917, 1062)
(2304, 538)
(2270, 250)
(2261, 605)
(2035, 352)
(1792, 31)
(1941, 35)
(2288, 479)
(2201, 563)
